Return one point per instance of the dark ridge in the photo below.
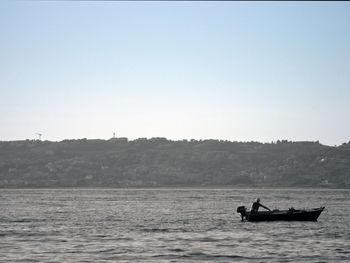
(158, 162)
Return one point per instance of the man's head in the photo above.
(258, 200)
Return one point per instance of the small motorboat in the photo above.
(281, 215)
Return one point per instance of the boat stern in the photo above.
(243, 211)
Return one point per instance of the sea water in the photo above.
(169, 225)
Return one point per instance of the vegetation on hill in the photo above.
(160, 162)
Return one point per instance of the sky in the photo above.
(238, 71)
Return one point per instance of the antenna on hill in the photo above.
(113, 134)
(39, 134)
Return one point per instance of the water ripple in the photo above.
(168, 225)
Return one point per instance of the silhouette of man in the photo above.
(256, 205)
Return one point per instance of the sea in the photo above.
(169, 225)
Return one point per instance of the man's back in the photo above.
(255, 207)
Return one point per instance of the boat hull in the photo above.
(285, 215)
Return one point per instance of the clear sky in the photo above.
(241, 71)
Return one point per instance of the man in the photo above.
(256, 205)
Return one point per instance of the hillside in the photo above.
(160, 162)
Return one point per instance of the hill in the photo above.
(160, 162)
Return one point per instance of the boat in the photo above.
(281, 215)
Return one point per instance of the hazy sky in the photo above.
(242, 71)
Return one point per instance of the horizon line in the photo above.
(174, 140)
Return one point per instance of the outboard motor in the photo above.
(243, 211)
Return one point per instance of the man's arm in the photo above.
(265, 207)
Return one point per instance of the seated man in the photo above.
(256, 205)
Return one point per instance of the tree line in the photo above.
(158, 162)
